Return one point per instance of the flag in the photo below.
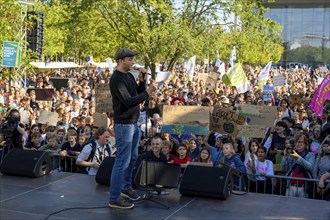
(219, 67)
(190, 66)
(264, 75)
(232, 56)
(236, 77)
(321, 95)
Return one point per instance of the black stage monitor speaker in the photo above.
(26, 163)
(103, 175)
(206, 181)
(159, 173)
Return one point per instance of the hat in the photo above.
(124, 52)
(225, 100)
(84, 106)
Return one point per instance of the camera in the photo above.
(289, 150)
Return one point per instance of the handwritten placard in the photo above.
(103, 98)
(279, 80)
(46, 117)
(267, 95)
(225, 121)
(186, 119)
(250, 110)
(211, 80)
(253, 131)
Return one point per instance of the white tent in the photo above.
(54, 65)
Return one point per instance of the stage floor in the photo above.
(29, 198)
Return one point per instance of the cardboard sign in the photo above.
(186, 119)
(266, 119)
(50, 118)
(279, 80)
(103, 98)
(250, 110)
(211, 80)
(59, 82)
(24, 117)
(225, 121)
(42, 94)
(100, 120)
(253, 131)
(203, 76)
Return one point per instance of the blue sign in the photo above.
(268, 87)
(11, 54)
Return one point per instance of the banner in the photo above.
(236, 77)
(211, 80)
(190, 66)
(11, 54)
(264, 75)
(59, 82)
(321, 95)
(103, 98)
(49, 118)
(252, 131)
(225, 121)
(186, 119)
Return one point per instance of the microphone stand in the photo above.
(148, 196)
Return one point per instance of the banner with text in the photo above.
(225, 121)
(253, 131)
(103, 98)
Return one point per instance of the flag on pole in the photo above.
(232, 58)
(264, 75)
(321, 95)
(190, 66)
(236, 77)
(219, 67)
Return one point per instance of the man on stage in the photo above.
(127, 96)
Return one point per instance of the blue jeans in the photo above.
(127, 141)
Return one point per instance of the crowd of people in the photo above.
(297, 145)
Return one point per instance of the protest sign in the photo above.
(250, 110)
(42, 94)
(225, 121)
(100, 120)
(46, 117)
(266, 119)
(268, 87)
(103, 98)
(253, 131)
(59, 82)
(279, 80)
(211, 80)
(267, 95)
(24, 117)
(186, 119)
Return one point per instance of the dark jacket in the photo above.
(126, 97)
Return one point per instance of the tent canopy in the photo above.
(54, 65)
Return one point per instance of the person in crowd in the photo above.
(94, 152)
(52, 145)
(69, 151)
(315, 138)
(166, 149)
(324, 188)
(194, 147)
(250, 152)
(287, 112)
(127, 96)
(35, 142)
(60, 135)
(183, 159)
(204, 156)
(298, 163)
(232, 159)
(262, 169)
(155, 153)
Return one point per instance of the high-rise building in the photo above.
(306, 29)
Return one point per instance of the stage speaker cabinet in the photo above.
(28, 163)
(206, 181)
(103, 175)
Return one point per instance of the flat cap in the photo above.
(124, 52)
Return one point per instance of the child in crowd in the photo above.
(166, 149)
(34, 144)
(52, 146)
(232, 159)
(183, 159)
(204, 156)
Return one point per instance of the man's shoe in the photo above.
(121, 204)
(130, 194)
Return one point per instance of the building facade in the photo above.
(306, 29)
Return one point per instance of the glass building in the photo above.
(306, 29)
